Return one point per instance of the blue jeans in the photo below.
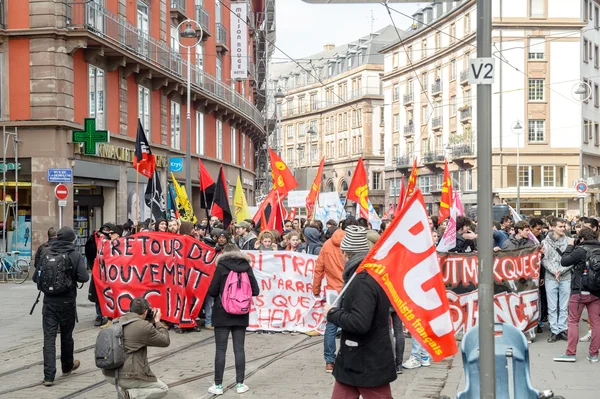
(208, 306)
(417, 349)
(329, 342)
(558, 293)
(399, 338)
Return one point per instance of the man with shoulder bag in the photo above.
(122, 351)
(59, 270)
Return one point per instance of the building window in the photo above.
(243, 150)
(596, 16)
(174, 37)
(452, 33)
(585, 50)
(313, 102)
(219, 139)
(376, 181)
(596, 55)
(96, 87)
(525, 176)
(452, 69)
(537, 8)
(424, 82)
(537, 130)
(585, 10)
(144, 110)
(381, 116)
(396, 92)
(536, 48)
(409, 87)
(395, 60)
(424, 49)
(596, 134)
(396, 123)
(233, 145)
(585, 129)
(467, 23)
(438, 41)
(200, 133)
(175, 125)
(424, 183)
(219, 69)
(536, 90)
(301, 130)
(290, 131)
(549, 175)
(396, 150)
(330, 70)
(424, 115)
(468, 180)
(596, 98)
(409, 54)
(290, 155)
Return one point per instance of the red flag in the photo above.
(311, 198)
(291, 214)
(283, 179)
(412, 181)
(265, 209)
(359, 191)
(220, 207)
(207, 186)
(143, 159)
(276, 218)
(446, 198)
(405, 264)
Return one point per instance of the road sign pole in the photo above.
(60, 217)
(487, 376)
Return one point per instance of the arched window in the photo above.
(330, 187)
(343, 185)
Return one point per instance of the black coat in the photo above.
(91, 252)
(463, 244)
(576, 256)
(237, 262)
(366, 357)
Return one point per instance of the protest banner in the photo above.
(172, 272)
(286, 301)
(516, 284)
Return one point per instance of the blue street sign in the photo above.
(60, 175)
(175, 164)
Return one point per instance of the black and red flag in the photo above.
(207, 186)
(143, 159)
(220, 206)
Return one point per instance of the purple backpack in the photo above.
(237, 294)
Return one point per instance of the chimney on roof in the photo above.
(328, 46)
(418, 19)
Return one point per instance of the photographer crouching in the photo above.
(141, 328)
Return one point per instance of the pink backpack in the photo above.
(237, 294)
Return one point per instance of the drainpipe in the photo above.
(501, 107)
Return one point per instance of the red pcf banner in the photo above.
(405, 263)
(172, 272)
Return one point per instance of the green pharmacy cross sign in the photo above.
(90, 136)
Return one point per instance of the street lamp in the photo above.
(279, 94)
(581, 91)
(196, 34)
(517, 129)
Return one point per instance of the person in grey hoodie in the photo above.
(557, 279)
(313, 243)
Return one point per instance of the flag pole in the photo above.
(152, 198)
(280, 205)
(204, 196)
(137, 198)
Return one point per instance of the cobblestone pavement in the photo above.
(277, 365)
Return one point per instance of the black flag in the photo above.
(154, 197)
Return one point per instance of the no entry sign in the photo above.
(61, 192)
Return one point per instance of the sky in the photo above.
(303, 28)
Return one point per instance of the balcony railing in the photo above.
(179, 4)
(463, 151)
(466, 113)
(464, 76)
(2, 15)
(436, 122)
(178, 10)
(407, 99)
(203, 19)
(332, 102)
(436, 88)
(118, 31)
(221, 35)
(404, 161)
(430, 157)
(409, 129)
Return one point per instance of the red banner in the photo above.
(404, 262)
(172, 272)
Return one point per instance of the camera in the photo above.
(150, 315)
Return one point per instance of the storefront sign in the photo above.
(9, 166)
(90, 137)
(239, 41)
(175, 164)
(60, 175)
(110, 151)
(248, 182)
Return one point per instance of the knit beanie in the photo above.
(355, 240)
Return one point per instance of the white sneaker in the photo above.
(587, 337)
(425, 362)
(241, 388)
(412, 363)
(216, 389)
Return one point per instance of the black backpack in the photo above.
(109, 352)
(591, 273)
(55, 273)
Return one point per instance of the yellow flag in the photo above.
(240, 204)
(186, 212)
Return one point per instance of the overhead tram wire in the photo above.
(409, 58)
(502, 59)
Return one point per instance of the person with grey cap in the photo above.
(246, 237)
(60, 309)
(364, 365)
